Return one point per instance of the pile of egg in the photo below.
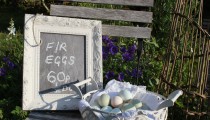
(121, 103)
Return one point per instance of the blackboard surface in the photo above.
(62, 62)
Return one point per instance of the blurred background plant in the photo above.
(11, 61)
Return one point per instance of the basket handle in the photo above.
(75, 87)
(170, 100)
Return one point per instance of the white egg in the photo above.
(125, 95)
(116, 101)
(104, 100)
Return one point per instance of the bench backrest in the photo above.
(137, 17)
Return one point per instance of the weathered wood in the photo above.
(55, 115)
(148, 3)
(126, 31)
(100, 13)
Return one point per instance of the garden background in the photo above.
(119, 54)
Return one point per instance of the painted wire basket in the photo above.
(155, 106)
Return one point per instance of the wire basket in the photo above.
(145, 113)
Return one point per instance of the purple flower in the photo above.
(136, 73)
(128, 72)
(114, 50)
(110, 44)
(105, 52)
(121, 76)
(2, 71)
(132, 49)
(105, 56)
(114, 40)
(5, 59)
(109, 75)
(123, 49)
(105, 49)
(127, 56)
(11, 65)
(105, 39)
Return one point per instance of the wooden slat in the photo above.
(100, 13)
(126, 31)
(148, 3)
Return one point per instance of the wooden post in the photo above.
(139, 52)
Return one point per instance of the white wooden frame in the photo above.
(34, 25)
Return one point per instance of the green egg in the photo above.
(116, 110)
(137, 103)
(127, 107)
(125, 95)
(104, 100)
(106, 109)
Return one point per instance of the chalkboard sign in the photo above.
(59, 52)
(62, 62)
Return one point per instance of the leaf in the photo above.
(157, 80)
(180, 104)
(152, 42)
(150, 82)
(18, 112)
(124, 67)
(1, 114)
(122, 44)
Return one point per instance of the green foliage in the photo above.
(1, 114)
(162, 21)
(152, 63)
(18, 113)
(11, 57)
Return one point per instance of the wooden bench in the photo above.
(140, 17)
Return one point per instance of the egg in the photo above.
(116, 110)
(137, 103)
(127, 107)
(106, 109)
(125, 95)
(116, 101)
(104, 100)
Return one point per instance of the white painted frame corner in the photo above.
(34, 25)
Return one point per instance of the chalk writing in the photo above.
(52, 76)
(59, 46)
(60, 77)
(62, 62)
